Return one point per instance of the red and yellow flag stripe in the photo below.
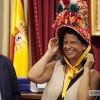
(19, 42)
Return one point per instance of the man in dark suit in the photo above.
(9, 88)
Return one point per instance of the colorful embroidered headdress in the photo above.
(72, 14)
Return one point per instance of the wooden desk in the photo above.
(31, 96)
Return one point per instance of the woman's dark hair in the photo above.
(71, 31)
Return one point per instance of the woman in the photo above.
(73, 41)
(72, 45)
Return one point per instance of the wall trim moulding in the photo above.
(95, 17)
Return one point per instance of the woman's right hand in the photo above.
(53, 45)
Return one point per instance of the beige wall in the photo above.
(1, 23)
(4, 26)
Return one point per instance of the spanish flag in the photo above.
(19, 42)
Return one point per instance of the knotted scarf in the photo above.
(73, 70)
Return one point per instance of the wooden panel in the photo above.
(95, 17)
(30, 96)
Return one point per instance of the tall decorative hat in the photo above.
(72, 14)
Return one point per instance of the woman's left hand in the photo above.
(89, 61)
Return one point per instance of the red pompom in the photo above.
(66, 1)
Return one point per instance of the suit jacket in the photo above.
(8, 81)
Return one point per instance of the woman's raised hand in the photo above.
(89, 61)
(53, 45)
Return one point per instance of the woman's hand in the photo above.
(53, 45)
(89, 61)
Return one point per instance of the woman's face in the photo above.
(72, 47)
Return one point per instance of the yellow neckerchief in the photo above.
(73, 70)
